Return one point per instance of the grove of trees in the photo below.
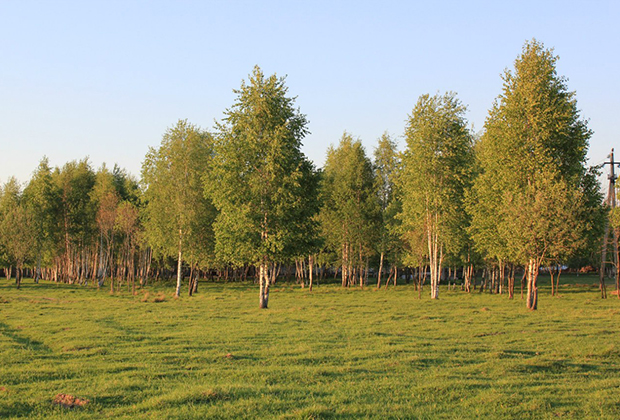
(243, 201)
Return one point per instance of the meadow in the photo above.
(331, 353)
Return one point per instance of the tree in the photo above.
(436, 171)
(42, 200)
(306, 240)
(76, 219)
(350, 212)
(257, 179)
(127, 225)
(105, 197)
(533, 198)
(16, 228)
(386, 165)
(541, 223)
(177, 216)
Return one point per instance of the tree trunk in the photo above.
(264, 284)
(435, 252)
(310, 271)
(37, 274)
(345, 265)
(532, 287)
(502, 276)
(132, 271)
(380, 271)
(179, 265)
(387, 282)
(190, 284)
(18, 276)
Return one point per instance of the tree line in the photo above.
(242, 200)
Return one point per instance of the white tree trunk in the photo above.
(179, 265)
(311, 270)
(435, 254)
(264, 284)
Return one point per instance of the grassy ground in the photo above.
(331, 353)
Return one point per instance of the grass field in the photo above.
(332, 353)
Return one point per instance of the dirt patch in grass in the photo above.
(69, 401)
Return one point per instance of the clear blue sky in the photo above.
(105, 79)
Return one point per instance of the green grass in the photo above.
(332, 353)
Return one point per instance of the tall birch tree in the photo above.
(75, 182)
(257, 178)
(350, 212)
(42, 200)
(177, 216)
(436, 171)
(386, 163)
(533, 200)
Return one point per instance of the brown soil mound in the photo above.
(69, 401)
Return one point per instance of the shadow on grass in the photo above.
(16, 409)
(556, 367)
(29, 284)
(22, 341)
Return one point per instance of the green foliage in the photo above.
(17, 236)
(42, 199)
(126, 185)
(436, 170)
(74, 183)
(386, 167)
(175, 208)
(259, 180)
(534, 196)
(548, 228)
(350, 214)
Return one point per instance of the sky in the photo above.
(105, 79)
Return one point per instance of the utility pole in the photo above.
(611, 204)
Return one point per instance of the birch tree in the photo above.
(106, 198)
(350, 207)
(436, 171)
(75, 182)
(41, 199)
(16, 228)
(257, 178)
(176, 212)
(533, 198)
(386, 162)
